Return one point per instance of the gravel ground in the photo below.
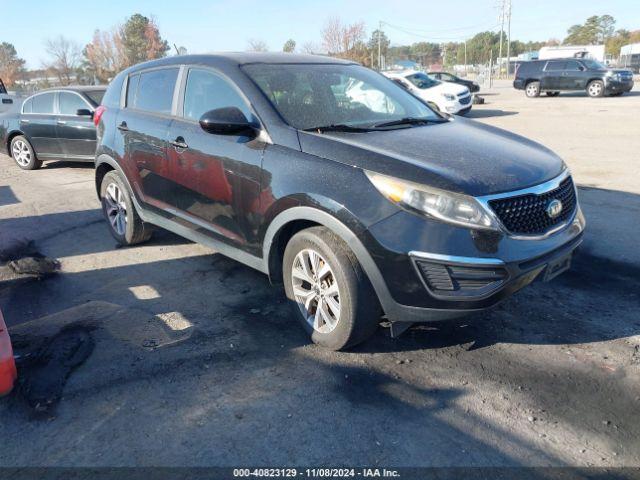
(195, 360)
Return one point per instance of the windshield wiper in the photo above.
(409, 121)
(341, 127)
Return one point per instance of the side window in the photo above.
(43, 103)
(155, 90)
(70, 103)
(555, 66)
(28, 106)
(207, 91)
(573, 65)
(132, 87)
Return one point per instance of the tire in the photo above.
(595, 88)
(125, 224)
(553, 94)
(349, 309)
(23, 154)
(532, 89)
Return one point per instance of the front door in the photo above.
(38, 122)
(76, 134)
(144, 123)
(576, 77)
(215, 179)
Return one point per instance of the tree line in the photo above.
(138, 39)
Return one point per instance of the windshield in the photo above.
(593, 64)
(310, 96)
(95, 95)
(422, 80)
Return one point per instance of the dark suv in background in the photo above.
(53, 124)
(360, 208)
(568, 74)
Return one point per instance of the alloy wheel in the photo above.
(316, 290)
(595, 89)
(116, 208)
(531, 89)
(21, 153)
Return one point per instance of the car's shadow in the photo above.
(57, 164)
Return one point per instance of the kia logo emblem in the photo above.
(554, 208)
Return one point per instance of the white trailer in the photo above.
(595, 52)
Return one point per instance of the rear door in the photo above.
(76, 134)
(144, 123)
(214, 180)
(552, 78)
(38, 122)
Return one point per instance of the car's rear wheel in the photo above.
(595, 88)
(125, 224)
(23, 154)
(329, 292)
(532, 89)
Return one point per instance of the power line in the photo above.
(428, 37)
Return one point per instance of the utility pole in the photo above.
(509, 41)
(501, 32)
(465, 57)
(380, 46)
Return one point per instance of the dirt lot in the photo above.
(183, 357)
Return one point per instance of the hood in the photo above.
(450, 87)
(460, 156)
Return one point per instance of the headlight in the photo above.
(449, 97)
(445, 206)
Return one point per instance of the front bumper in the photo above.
(457, 106)
(434, 271)
(617, 86)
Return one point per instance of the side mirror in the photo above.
(227, 121)
(84, 112)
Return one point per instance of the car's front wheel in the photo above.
(532, 89)
(125, 224)
(595, 88)
(23, 154)
(329, 292)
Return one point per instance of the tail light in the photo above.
(97, 115)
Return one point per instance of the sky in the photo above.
(226, 25)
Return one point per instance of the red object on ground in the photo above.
(8, 372)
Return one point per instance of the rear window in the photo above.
(528, 68)
(555, 66)
(132, 87)
(111, 97)
(43, 103)
(155, 90)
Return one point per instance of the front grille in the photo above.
(527, 214)
(465, 100)
(457, 280)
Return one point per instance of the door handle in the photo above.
(24, 120)
(123, 127)
(179, 143)
(61, 122)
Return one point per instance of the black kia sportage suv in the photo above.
(361, 208)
